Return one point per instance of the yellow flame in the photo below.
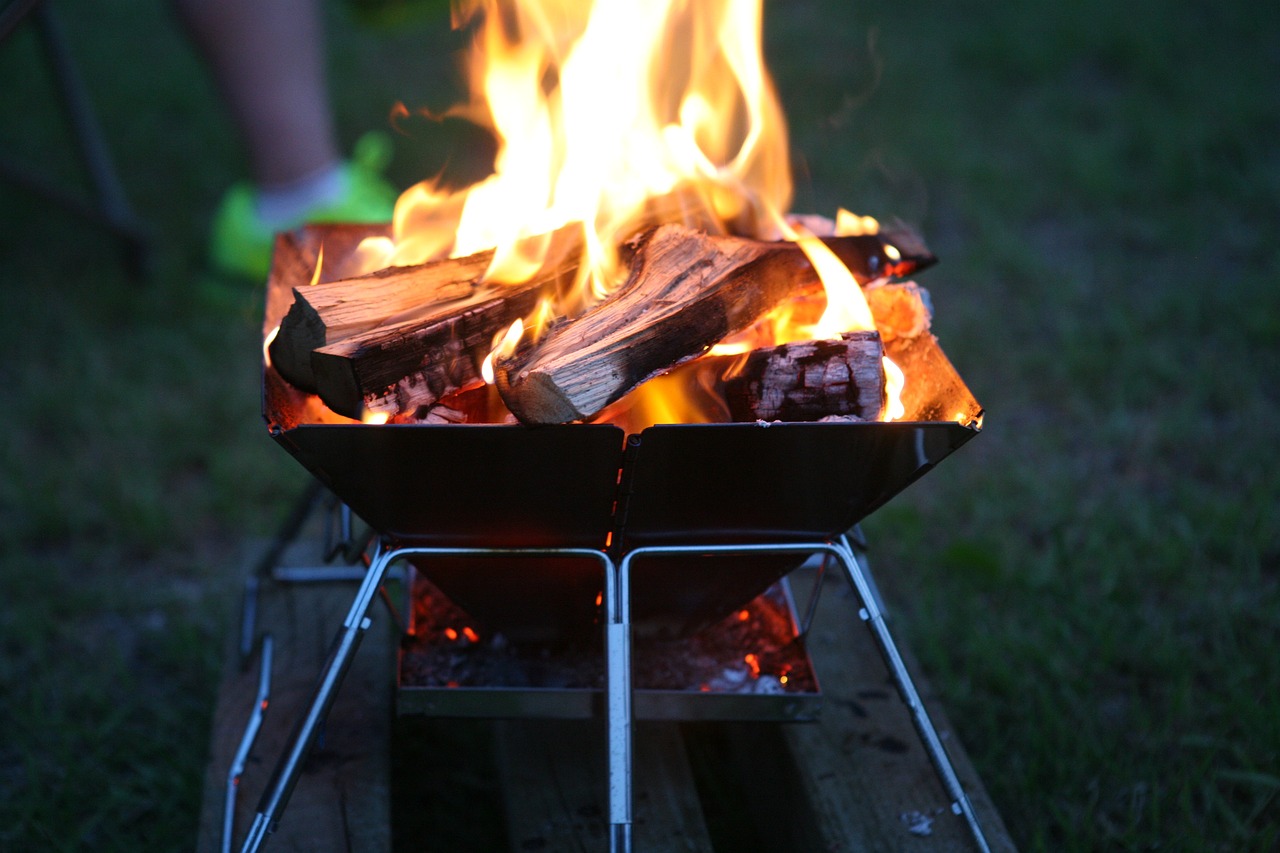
(375, 418)
(266, 345)
(894, 381)
(610, 117)
(847, 308)
(504, 346)
(599, 109)
(315, 276)
(852, 225)
(731, 348)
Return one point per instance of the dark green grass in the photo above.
(1092, 584)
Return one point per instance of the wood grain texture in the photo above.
(342, 800)
(810, 380)
(686, 291)
(554, 780)
(327, 312)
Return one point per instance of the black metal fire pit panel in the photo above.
(470, 486)
(755, 483)
(743, 483)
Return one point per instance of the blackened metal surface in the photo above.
(703, 678)
(754, 483)
(526, 599)
(770, 482)
(470, 486)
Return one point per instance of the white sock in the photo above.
(288, 205)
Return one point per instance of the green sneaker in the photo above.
(241, 243)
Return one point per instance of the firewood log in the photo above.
(475, 405)
(359, 352)
(396, 369)
(809, 380)
(896, 251)
(900, 310)
(685, 292)
(330, 311)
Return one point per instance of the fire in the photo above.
(267, 342)
(610, 117)
(602, 112)
(505, 345)
(315, 277)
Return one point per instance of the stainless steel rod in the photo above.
(874, 617)
(276, 796)
(873, 614)
(289, 767)
(246, 743)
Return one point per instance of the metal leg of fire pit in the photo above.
(341, 653)
(241, 756)
(342, 544)
(870, 612)
(617, 687)
(617, 597)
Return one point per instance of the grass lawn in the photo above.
(1093, 584)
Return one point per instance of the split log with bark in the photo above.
(810, 380)
(330, 311)
(685, 292)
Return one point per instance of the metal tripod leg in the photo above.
(618, 685)
(872, 613)
(241, 756)
(298, 515)
(341, 653)
(617, 597)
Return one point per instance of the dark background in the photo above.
(1091, 584)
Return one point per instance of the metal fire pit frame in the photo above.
(385, 472)
(423, 692)
(618, 694)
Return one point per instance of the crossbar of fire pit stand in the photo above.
(870, 612)
(617, 686)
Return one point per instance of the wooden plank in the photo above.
(867, 733)
(858, 779)
(342, 800)
(554, 779)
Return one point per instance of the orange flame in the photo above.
(610, 117)
(599, 110)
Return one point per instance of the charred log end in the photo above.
(534, 398)
(302, 331)
(810, 380)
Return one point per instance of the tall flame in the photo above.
(611, 116)
(604, 112)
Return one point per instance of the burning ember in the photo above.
(439, 654)
(630, 260)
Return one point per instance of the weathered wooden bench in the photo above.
(858, 779)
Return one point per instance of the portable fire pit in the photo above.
(615, 552)
(603, 401)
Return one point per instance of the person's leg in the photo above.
(267, 58)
